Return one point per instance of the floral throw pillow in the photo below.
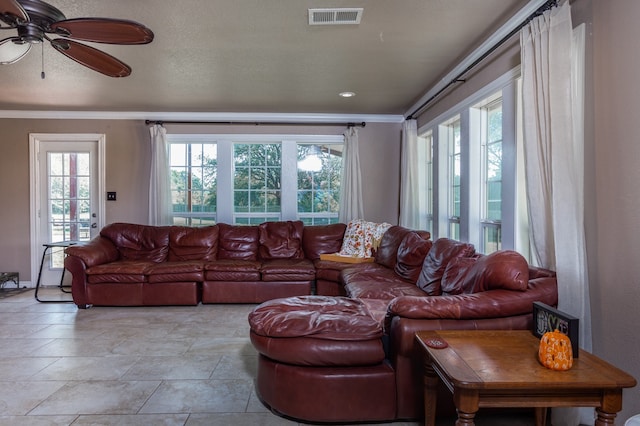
(362, 237)
(353, 243)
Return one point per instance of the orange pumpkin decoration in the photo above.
(555, 351)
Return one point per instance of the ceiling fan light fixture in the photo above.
(11, 52)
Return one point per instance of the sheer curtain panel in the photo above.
(410, 180)
(159, 185)
(351, 205)
(554, 164)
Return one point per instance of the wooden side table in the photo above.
(501, 369)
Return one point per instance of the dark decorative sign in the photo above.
(546, 318)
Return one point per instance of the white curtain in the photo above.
(159, 186)
(554, 164)
(351, 205)
(410, 179)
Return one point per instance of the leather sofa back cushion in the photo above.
(186, 243)
(504, 269)
(281, 240)
(321, 239)
(411, 253)
(238, 242)
(387, 252)
(435, 263)
(139, 242)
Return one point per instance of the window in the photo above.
(490, 112)
(193, 183)
(450, 131)
(257, 184)
(319, 183)
(473, 195)
(425, 154)
(250, 179)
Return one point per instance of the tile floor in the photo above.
(135, 366)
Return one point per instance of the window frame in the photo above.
(514, 228)
(225, 173)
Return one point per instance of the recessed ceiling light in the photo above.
(347, 94)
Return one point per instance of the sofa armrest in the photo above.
(497, 303)
(96, 252)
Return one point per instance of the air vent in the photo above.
(341, 16)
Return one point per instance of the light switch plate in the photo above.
(111, 196)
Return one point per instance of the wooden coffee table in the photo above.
(501, 369)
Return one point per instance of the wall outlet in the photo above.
(111, 196)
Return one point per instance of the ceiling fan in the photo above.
(35, 20)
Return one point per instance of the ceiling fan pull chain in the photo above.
(42, 75)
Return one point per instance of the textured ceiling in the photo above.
(260, 56)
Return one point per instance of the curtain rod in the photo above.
(458, 79)
(257, 123)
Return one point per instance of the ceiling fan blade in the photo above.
(13, 8)
(104, 30)
(92, 58)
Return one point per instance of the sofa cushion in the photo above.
(281, 240)
(187, 270)
(505, 269)
(455, 278)
(435, 263)
(122, 271)
(188, 243)
(321, 239)
(411, 253)
(139, 242)
(238, 242)
(387, 252)
(287, 270)
(320, 317)
(501, 269)
(232, 270)
(317, 331)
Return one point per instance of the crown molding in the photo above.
(201, 116)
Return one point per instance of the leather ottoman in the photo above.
(322, 360)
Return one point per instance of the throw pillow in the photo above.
(353, 243)
(362, 237)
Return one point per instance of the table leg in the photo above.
(430, 393)
(541, 416)
(44, 255)
(465, 419)
(467, 403)
(605, 419)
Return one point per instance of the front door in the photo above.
(67, 206)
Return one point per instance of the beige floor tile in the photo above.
(186, 367)
(199, 396)
(133, 420)
(97, 397)
(191, 365)
(19, 398)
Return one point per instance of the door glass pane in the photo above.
(68, 199)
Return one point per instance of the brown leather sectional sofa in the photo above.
(351, 356)
(336, 340)
(138, 265)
